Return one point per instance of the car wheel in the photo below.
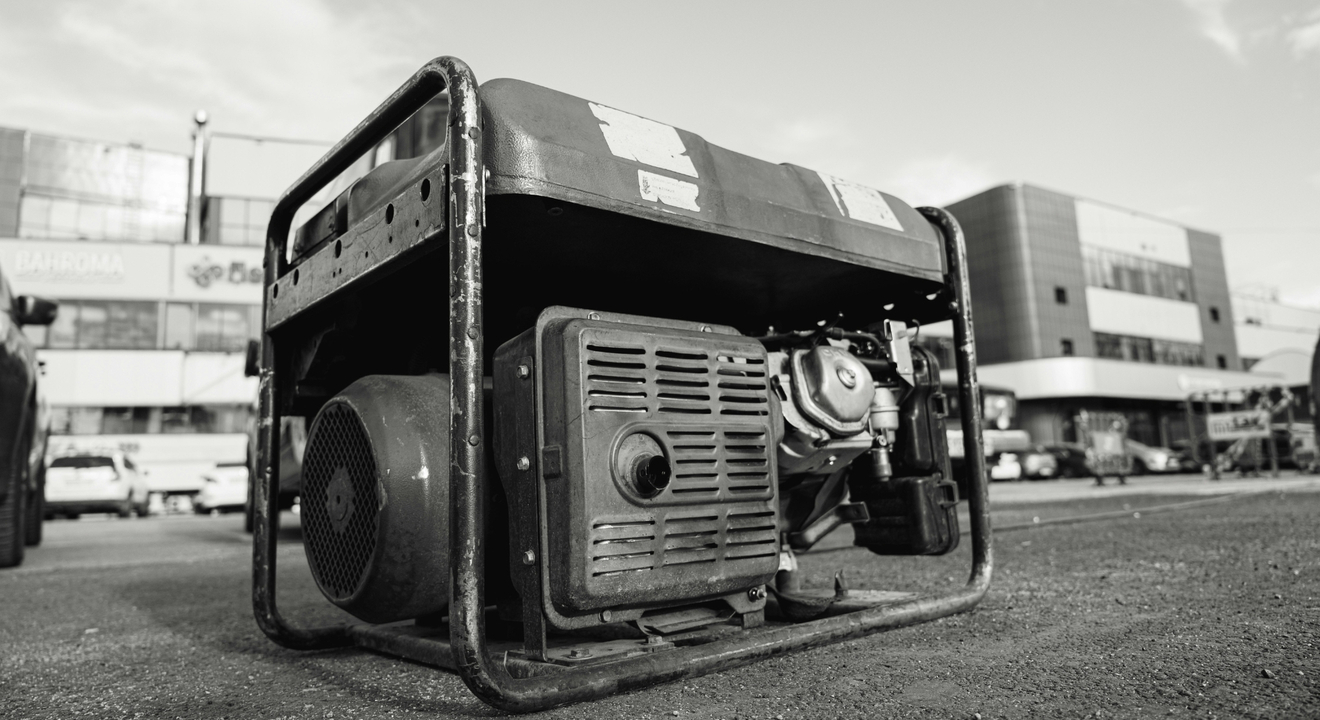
(13, 511)
(142, 509)
(125, 510)
(1139, 467)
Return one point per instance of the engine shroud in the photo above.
(608, 395)
(375, 497)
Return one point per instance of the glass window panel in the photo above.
(84, 421)
(116, 421)
(258, 213)
(254, 323)
(60, 419)
(222, 328)
(114, 223)
(34, 217)
(202, 419)
(131, 325)
(64, 216)
(178, 326)
(233, 235)
(91, 221)
(175, 420)
(92, 318)
(64, 331)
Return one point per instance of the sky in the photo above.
(1204, 112)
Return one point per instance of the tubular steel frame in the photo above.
(467, 650)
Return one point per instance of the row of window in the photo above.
(237, 221)
(229, 221)
(150, 420)
(149, 325)
(1149, 350)
(1119, 271)
(63, 218)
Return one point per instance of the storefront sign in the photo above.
(216, 273)
(1239, 424)
(64, 270)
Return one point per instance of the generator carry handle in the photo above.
(468, 651)
(466, 188)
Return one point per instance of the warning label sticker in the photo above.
(645, 141)
(667, 190)
(860, 202)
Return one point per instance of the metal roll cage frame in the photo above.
(467, 650)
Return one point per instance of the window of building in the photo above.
(1148, 350)
(1061, 295)
(1119, 271)
(138, 325)
(102, 325)
(226, 328)
(1066, 347)
(124, 420)
(205, 419)
(237, 220)
(1214, 314)
(1222, 362)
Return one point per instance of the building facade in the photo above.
(159, 282)
(146, 355)
(1082, 305)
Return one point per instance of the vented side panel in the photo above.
(339, 501)
(702, 397)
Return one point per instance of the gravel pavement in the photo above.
(1209, 612)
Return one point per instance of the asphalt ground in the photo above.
(1212, 611)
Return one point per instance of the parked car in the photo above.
(24, 424)
(1147, 459)
(1039, 464)
(108, 482)
(1070, 459)
(1005, 466)
(224, 489)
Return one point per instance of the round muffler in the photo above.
(375, 497)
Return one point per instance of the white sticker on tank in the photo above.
(860, 202)
(645, 141)
(667, 190)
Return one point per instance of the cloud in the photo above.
(938, 180)
(1305, 39)
(1214, 26)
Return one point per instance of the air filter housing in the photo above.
(375, 497)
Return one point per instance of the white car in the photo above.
(1005, 467)
(95, 483)
(223, 489)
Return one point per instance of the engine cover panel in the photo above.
(657, 461)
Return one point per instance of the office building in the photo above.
(1082, 305)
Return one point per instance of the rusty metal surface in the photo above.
(385, 236)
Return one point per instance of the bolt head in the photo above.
(524, 463)
(524, 372)
(529, 557)
(593, 316)
(756, 593)
(605, 615)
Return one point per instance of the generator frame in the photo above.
(507, 682)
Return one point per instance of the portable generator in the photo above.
(582, 387)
